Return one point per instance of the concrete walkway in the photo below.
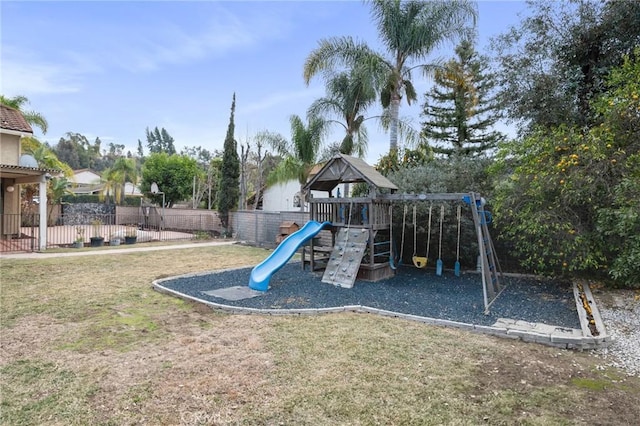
(46, 255)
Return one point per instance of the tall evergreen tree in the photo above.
(140, 149)
(229, 191)
(159, 140)
(460, 109)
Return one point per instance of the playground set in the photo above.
(353, 238)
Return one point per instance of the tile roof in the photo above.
(12, 119)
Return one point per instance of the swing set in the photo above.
(378, 258)
(421, 262)
(488, 262)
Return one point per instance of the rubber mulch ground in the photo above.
(412, 291)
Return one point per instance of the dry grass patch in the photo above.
(86, 341)
(361, 369)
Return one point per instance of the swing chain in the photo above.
(404, 221)
(415, 232)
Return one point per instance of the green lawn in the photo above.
(85, 340)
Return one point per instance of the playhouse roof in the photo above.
(346, 169)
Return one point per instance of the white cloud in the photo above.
(280, 98)
(149, 48)
(134, 47)
(22, 75)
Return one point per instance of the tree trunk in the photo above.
(394, 110)
(259, 184)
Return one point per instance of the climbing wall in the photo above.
(346, 256)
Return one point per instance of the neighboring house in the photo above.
(283, 197)
(17, 170)
(86, 177)
(86, 181)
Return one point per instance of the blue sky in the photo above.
(112, 69)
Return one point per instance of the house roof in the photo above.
(13, 171)
(346, 169)
(12, 119)
(85, 170)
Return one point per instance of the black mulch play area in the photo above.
(412, 291)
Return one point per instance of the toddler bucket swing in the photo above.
(420, 262)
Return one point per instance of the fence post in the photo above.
(255, 234)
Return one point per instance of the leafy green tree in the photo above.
(35, 119)
(409, 31)
(200, 154)
(568, 199)
(437, 175)
(404, 159)
(67, 151)
(213, 180)
(47, 159)
(299, 154)
(229, 185)
(460, 109)
(206, 182)
(76, 150)
(619, 221)
(556, 61)
(173, 174)
(159, 140)
(349, 94)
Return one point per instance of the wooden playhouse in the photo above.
(359, 245)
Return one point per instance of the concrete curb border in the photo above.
(549, 335)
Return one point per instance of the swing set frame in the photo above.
(490, 269)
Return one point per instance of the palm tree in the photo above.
(410, 31)
(58, 188)
(46, 159)
(349, 94)
(115, 178)
(33, 118)
(299, 154)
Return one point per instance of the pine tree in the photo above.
(167, 140)
(460, 109)
(140, 149)
(229, 191)
(160, 141)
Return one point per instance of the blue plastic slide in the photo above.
(261, 274)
